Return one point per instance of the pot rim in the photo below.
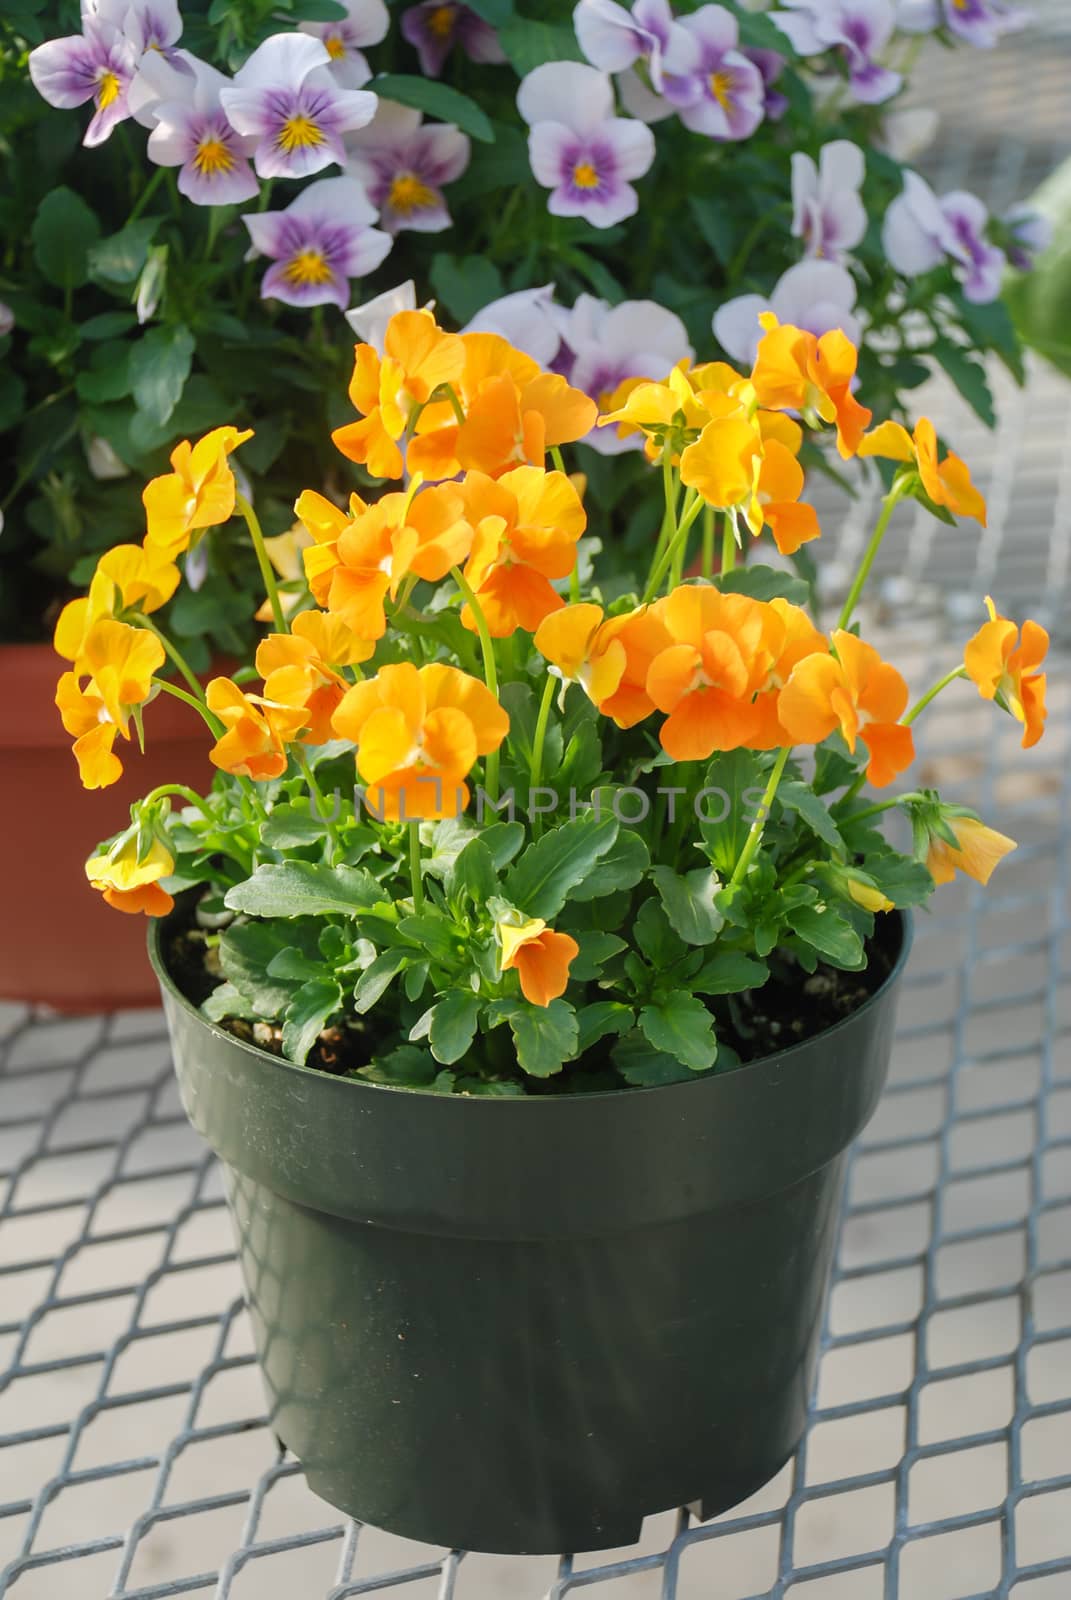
(169, 986)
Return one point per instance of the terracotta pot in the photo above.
(60, 945)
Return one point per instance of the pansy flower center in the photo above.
(721, 87)
(441, 20)
(307, 268)
(108, 89)
(586, 175)
(335, 46)
(299, 132)
(408, 193)
(212, 158)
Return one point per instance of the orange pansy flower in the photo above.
(857, 692)
(794, 371)
(948, 482)
(978, 851)
(1004, 665)
(540, 957)
(525, 531)
(418, 733)
(418, 358)
(118, 662)
(257, 731)
(300, 668)
(359, 559)
(127, 575)
(707, 678)
(576, 643)
(199, 492)
(131, 884)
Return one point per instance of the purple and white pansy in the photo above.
(404, 164)
(435, 27)
(828, 210)
(579, 150)
(603, 345)
(526, 319)
(1030, 235)
(723, 94)
(97, 64)
(371, 320)
(614, 39)
(190, 130)
(815, 295)
(922, 231)
(982, 23)
(858, 30)
(366, 22)
(285, 98)
(323, 239)
(148, 24)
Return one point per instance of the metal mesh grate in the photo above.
(135, 1459)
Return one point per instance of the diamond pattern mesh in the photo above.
(135, 1459)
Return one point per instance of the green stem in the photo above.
(728, 545)
(889, 505)
(180, 791)
(539, 742)
(931, 694)
(146, 194)
(174, 656)
(692, 507)
(673, 556)
(754, 838)
(415, 869)
(317, 793)
(708, 542)
(212, 722)
(886, 805)
(557, 458)
(490, 669)
(245, 510)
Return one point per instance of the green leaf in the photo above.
(732, 972)
(622, 867)
(595, 949)
(312, 1007)
(453, 1025)
(375, 980)
(656, 938)
(12, 397)
(545, 1037)
(63, 233)
(765, 583)
(717, 224)
(120, 257)
(290, 827)
(108, 325)
(496, 12)
(906, 882)
(407, 1067)
(991, 327)
(598, 1021)
(551, 870)
(246, 951)
(436, 100)
(435, 936)
(465, 284)
(317, 10)
(682, 1027)
(969, 377)
(739, 782)
(689, 903)
(473, 873)
(645, 1067)
(302, 889)
(108, 375)
(529, 43)
(160, 363)
(828, 933)
(225, 1003)
(503, 839)
(801, 798)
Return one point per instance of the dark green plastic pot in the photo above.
(523, 1325)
